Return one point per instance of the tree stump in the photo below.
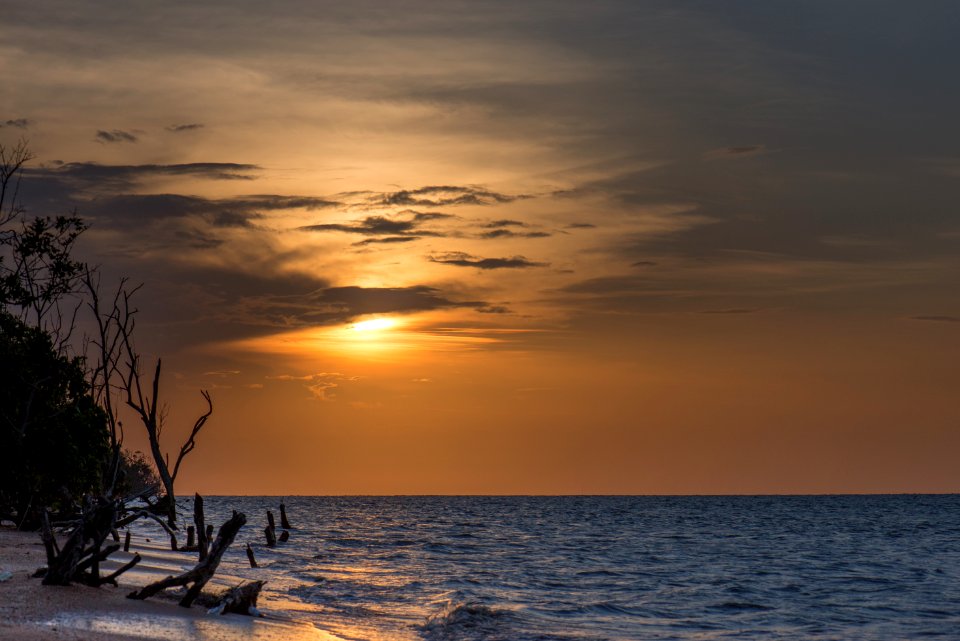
(271, 537)
(241, 599)
(284, 523)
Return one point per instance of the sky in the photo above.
(497, 247)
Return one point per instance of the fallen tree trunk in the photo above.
(202, 572)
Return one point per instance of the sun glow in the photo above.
(374, 325)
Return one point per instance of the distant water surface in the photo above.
(619, 568)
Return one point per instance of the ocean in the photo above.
(617, 568)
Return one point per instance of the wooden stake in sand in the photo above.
(284, 523)
(250, 557)
(271, 537)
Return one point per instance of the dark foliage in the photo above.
(53, 436)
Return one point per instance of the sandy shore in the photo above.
(30, 611)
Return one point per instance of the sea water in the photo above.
(591, 568)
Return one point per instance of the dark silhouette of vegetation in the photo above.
(54, 436)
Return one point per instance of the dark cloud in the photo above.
(357, 301)
(938, 319)
(643, 263)
(186, 127)
(115, 135)
(407, 224)
(461, 259)
(581, 226)
(19, 123)
(197, 239)
(505, 223)
(509, 233)
(446, 195)
(741, 151)
(388, 240)
(125, 176)
(138, 210)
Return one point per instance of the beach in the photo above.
(30, 611)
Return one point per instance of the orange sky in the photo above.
(485, 248)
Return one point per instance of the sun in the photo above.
(374, 325)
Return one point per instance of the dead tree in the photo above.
(78, 561)
(203, 538)
(146, 403)
(284, 523)
(203, 571)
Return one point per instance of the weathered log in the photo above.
(115, 535)
(284, 523)
(209, 535)
(271, 537)
(126, 542)
(191, 532)
(203, 535)
(250, 557)
(143, 514)
(240, 600)
(270, 520)
(112, 578)
(202, 572)
(284, 536)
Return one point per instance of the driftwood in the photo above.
(250, 557)
(271, 537)
(203, 534)
(284, 536)
(143, 514)
(202, 572)
(240, 600)
(273, 526)
(284, 523)
(191, 534)
(126, 542)
(78, 561)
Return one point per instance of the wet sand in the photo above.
(30, 611)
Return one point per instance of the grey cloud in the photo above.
(123, 176)
(508, 233)
(444, 195)
(186, 127)
(581, 226)
(19, 123)
(505, 223)
(115, 135)
(461, 259)
(388, 240)
(395, 226)
(356, 301)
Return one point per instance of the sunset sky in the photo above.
(520, 247)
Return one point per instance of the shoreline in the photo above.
(30, 611)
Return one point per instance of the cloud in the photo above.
(19, 123)
(643, 263)
(386, 240)
(741, 151)
(321, 385)
(351, 301)
(408, 223)
(446, 195)
(462, 259)
(938, 319)
(506, 223)
(508, 233)
(116, 135)
(581, 226)
(186, 127)
(113, 177)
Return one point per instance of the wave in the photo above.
(467, 620)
